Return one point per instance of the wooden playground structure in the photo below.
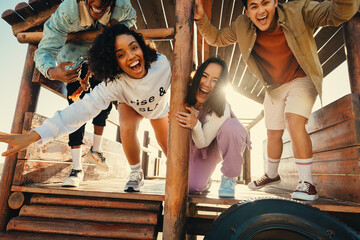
(33, 205)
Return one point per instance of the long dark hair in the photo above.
(102, 58)
(216, 101)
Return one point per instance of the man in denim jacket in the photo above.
(276, 42)
(58, 60)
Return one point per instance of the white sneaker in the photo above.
(74, 179)
(305, 191)
(136, 180)
(98, 159)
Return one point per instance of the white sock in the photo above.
(97, 143)
(135, 167)
(304, 169)
(76, 158)
(273, 166)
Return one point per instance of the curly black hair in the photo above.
(102, 59)
(216, 101)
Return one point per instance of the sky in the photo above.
(12, 57)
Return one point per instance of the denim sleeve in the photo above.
(55, 33)
(124, 13)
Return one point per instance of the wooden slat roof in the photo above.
(160, 14)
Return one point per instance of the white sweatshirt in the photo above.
(204, 134)
(147, 96)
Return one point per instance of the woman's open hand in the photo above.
(187, 119)
(18, 141)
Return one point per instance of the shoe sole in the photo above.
(266, 185)
(68, 185)
(97, 164)
(226, 195)
(132, 189)
(304, 197)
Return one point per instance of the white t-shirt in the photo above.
(148, 96)
(204, 134)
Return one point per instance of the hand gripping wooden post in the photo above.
(27, 100)
(176, 189)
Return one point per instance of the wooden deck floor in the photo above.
(154, 190)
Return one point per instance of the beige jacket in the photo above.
(298, 20)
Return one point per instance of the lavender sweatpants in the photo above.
(228, 147)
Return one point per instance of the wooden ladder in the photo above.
(70, 217)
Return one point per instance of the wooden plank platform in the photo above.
(154, 190)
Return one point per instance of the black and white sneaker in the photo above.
(74, 179)
(98, 159)
(136, 180)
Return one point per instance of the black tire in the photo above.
(277, 219)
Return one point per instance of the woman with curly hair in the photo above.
(132, 73)
(216, 134)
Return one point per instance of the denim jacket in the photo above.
(299, 19)
(53, 48)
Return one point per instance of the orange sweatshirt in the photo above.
(275, 59)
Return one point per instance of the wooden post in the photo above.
(247, 165)
(27, 101)
(176, 189)
(352, 41)
(206, 48)
(145, 155)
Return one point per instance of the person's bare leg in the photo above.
(301, 142)
(98, 130)
(301, 145)
(274, 150)
(302, 149)
(161, 128)
(274, 144)
(129, 125)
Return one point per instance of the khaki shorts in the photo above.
(297, 96)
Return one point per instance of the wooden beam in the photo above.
(145, 155)
(33, 21)
(82, 228)
(89, 36)
(16, 200)
(11, 17)
(90, 214)
(256, 120)
(352, 40)
(204, 47)
(176, 188)
(26, 102)
(24, 10)
(38, 5)
(38, 199)
(54, 86)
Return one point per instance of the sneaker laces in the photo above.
(101, 156)
(135, 176)
(227, 182)
(303, 187)
(74, 172)
(261, 180)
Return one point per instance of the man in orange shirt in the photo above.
(277, 44)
